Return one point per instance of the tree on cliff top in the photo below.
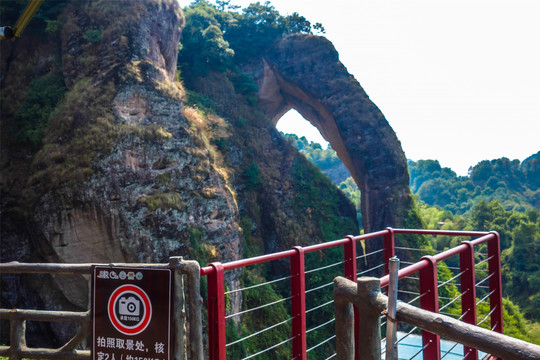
(215, 39)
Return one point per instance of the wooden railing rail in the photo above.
(366, 296)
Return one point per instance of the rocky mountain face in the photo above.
(106, 157)
(304, 72)
(121, 175)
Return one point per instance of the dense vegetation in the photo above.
(331, 165)
(498, 195)
(515, 185)
(219, 38)
(283, 199)
(24, 123)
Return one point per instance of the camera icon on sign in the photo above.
(129, 306)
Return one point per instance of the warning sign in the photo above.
(131, 313)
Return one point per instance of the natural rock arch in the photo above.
(304, 72)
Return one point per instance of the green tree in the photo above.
(203, 47)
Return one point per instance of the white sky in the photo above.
(458, 81)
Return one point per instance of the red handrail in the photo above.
(426, 267)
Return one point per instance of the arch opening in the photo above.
(293, 122)
(320, 153)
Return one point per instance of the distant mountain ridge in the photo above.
(515, 184)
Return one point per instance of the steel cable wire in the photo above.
(320, 326)
(447, 281)
(321, 343)
(369, 254)
(268, 349)
(454, 300)
(257, 285)
(319, 287)
(258, 307)
(483, 261)
(448, 352)
(371, 269)
(319, 306)
(324, 267)
(484, 279)
(258, 332)
(485, 297)
(486, 317)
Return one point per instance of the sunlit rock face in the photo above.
(122, 175)
(126, 172)
(304, 72)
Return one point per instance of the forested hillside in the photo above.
(498, 195)
(514, 184)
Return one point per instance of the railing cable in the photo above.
(447, 281)
(319, 287)
(413, 249)
(412, 278)
(319, 306)
(408, 292)
(268, 349)
(257, 285)
(416, 298)
(463, 315)
(324, 267)
(448, 314)
(409, 333)
(369, 254)
(258, 332)
(320, 326)
(483, 261)
(454, 300)
(487, 316)
(258, 307)
(449, 351)
(419, 351)
(368, 270)
(453, 268)
(321, 343)
(485, 297)
(484, 279)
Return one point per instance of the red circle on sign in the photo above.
(128, 330)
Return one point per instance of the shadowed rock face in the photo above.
(124, 175)
(304, 72)
(151, 190)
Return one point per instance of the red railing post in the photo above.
(349, 252)
(430, 301)
(216, 312)
(468, 291)
(389, 248)
(495, 282)
(298, 304)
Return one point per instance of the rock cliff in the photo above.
(121, 174)
(106, 157)
(304, 72)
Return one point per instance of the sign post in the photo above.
(131, 313)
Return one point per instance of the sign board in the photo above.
(131, 313)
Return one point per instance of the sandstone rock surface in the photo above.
(304, 72)
(126, 171)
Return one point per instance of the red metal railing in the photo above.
(426, 268)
